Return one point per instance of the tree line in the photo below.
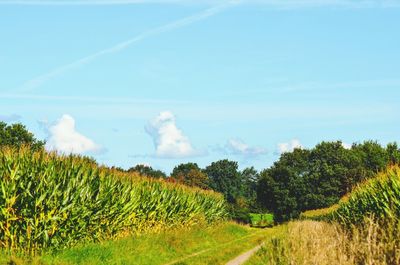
(300, 180)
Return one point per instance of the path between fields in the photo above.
(245, 256)
(222, 245)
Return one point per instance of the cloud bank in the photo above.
(64, 138)
(169, 141)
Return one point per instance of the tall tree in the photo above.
(190, 174)
(16, 135)
(225, 178)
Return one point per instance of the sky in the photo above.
(164, 82)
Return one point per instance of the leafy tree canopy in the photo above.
(147, 171)
(190, 174)
(16, 135)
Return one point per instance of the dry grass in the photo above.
(320, 243)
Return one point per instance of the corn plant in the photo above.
(378, 197)
(52, 201)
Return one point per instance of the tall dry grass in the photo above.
(321, 243)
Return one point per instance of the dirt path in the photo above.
(219, 246)
(244, 257)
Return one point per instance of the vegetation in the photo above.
(17, 135)
(191, 175)
(379, 196)
(196, 245)
(317, 178)
(312, 242)
(147, 171)
(364, 228)
(261, 220)
(51, 201)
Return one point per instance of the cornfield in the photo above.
(378, 197)
(51, 201)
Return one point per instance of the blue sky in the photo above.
(166, 82)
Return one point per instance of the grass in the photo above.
(261, 219)
(315, 242)
(199, 245)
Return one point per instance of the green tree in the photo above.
(281, 188)
(190, 174)
(393, 152)
(249, 178)
(16, 135)
(225, 178)
(147, 171)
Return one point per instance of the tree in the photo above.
(249, 177)
(281, 188)
(147, 171)
(190, 174)
(393, 152)
(225, 178)
(16, 135)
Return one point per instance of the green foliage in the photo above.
(378, 197)
(50, 201)
(191, 175)
(16, 135)
(225, 178)
(317, 178)
(147, 171)
(249, 177)
(261, 219)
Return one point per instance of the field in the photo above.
(54, 202)
(68, 210)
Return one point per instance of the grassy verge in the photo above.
(199, 245)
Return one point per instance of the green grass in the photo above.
(199, 245)
(261, 219)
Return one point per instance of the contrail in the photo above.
(83, 2)
(39, 80)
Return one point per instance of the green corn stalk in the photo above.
(51, 201)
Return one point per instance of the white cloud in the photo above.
(169, 140)
(289, 147)
(238, 147)
(64, 138)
